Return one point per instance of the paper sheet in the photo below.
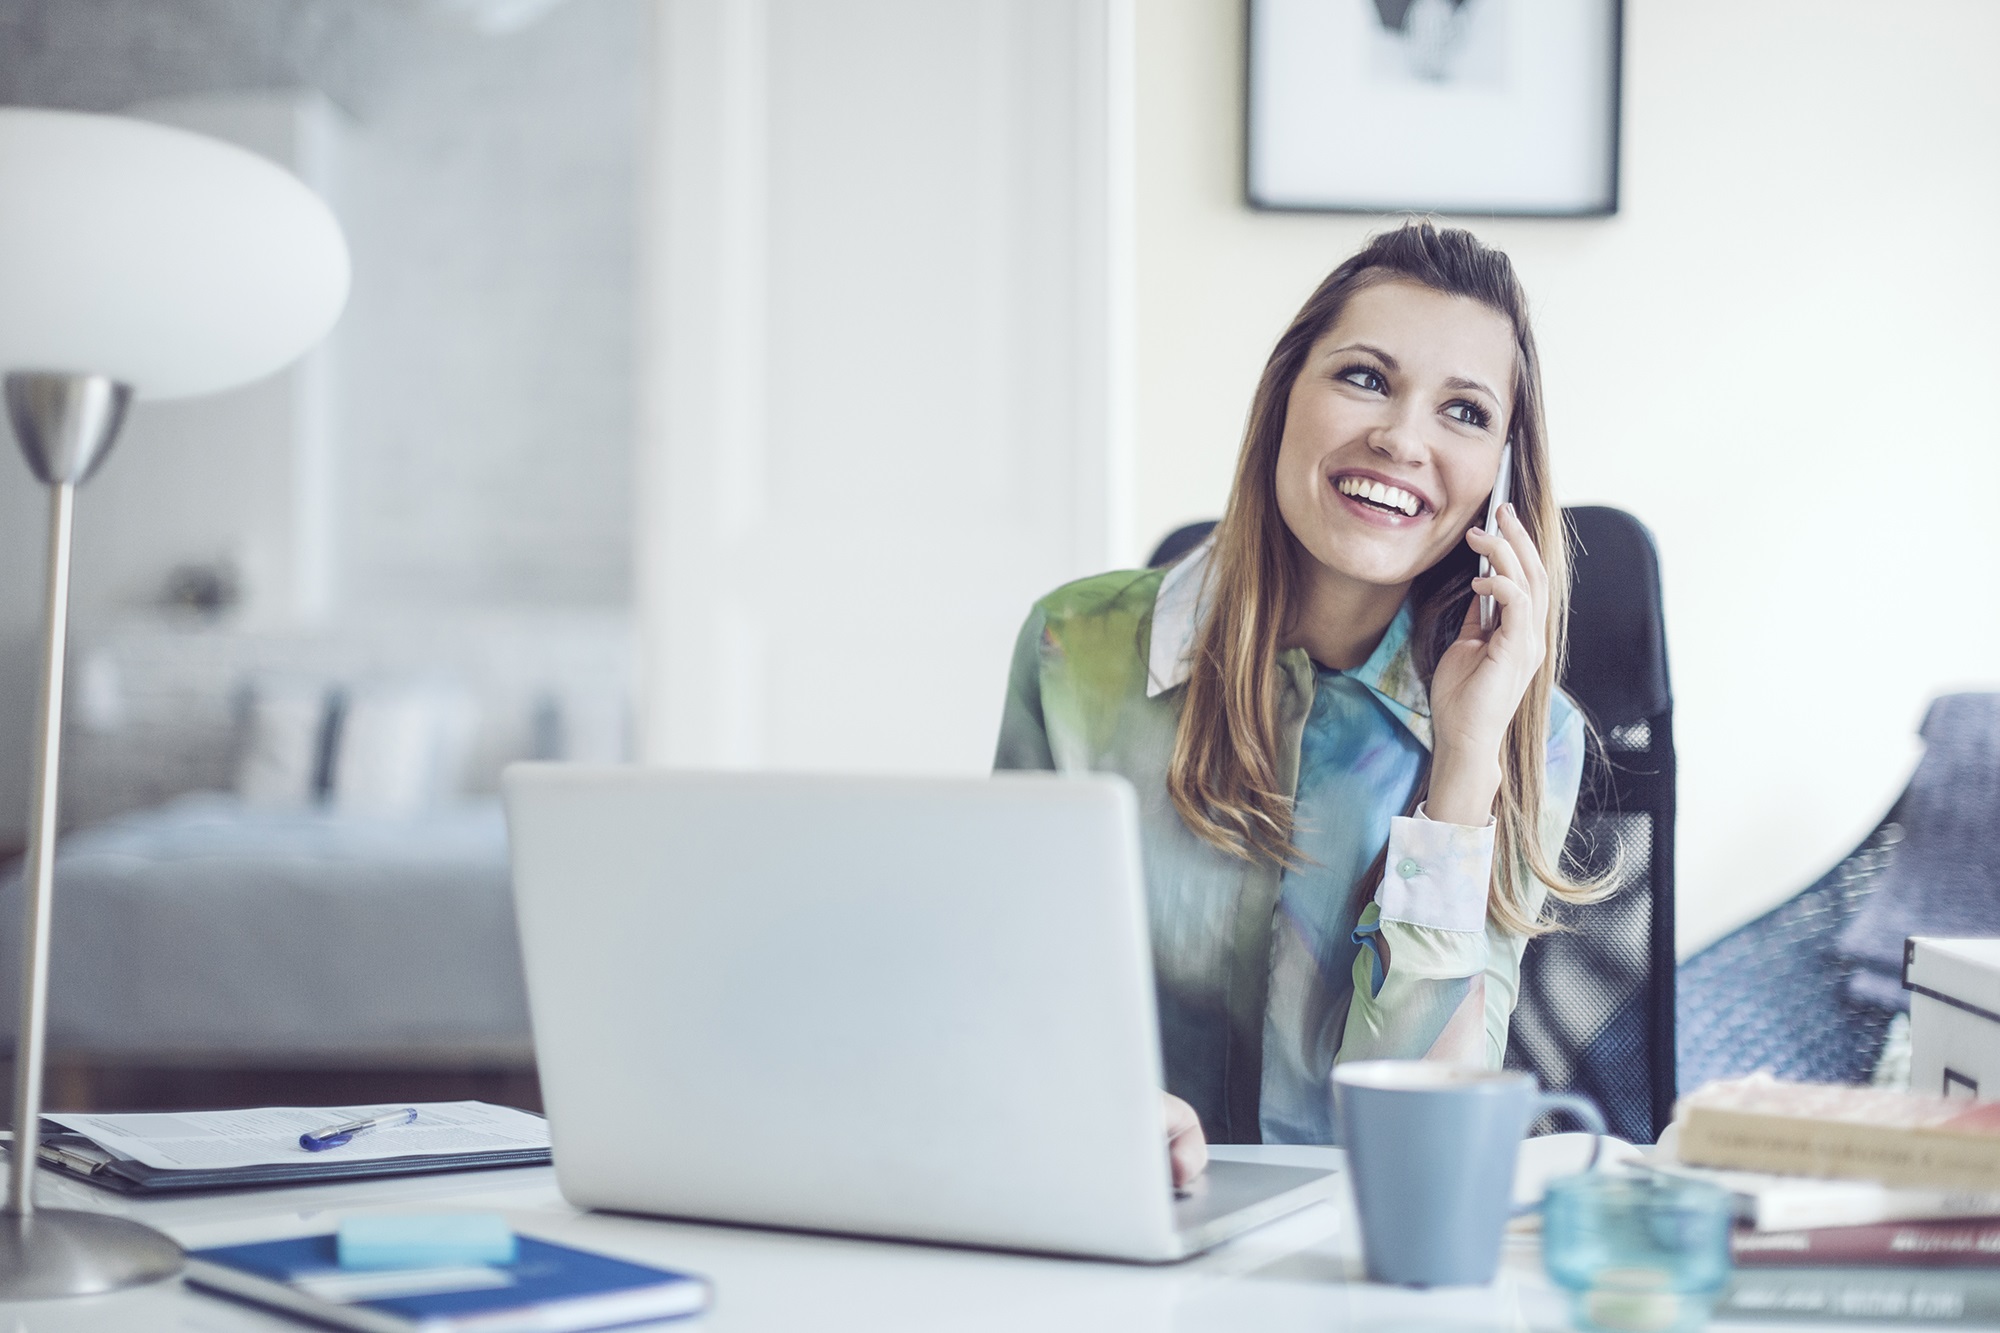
(269, 1136)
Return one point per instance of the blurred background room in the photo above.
(723, 379)
(345, 596)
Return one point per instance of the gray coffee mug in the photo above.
(1430, 1150)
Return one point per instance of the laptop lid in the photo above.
(899, 1007)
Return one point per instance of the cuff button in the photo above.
(1408, 869)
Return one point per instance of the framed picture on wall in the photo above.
(1449, 106)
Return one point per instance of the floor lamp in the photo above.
(135, 260)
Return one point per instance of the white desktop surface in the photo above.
(1299, 1273)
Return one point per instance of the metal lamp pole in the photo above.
(65, 424)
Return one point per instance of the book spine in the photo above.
(281, 1296)
(1781, 1212)
(1887, 1294)
(1909, 1245)
(1797, 1146)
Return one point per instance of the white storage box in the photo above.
(1954, 990)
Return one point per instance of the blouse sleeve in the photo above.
(1434, 979)
(1024, 736)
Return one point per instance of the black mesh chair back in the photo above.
(1596, 1010)
(1772, 995)
(1179, 542)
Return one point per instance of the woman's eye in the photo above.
(1472, 414)
(1364, 377)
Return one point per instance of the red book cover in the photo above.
(1973, 1243)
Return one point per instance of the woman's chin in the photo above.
(1379, 559)
(1372, 573)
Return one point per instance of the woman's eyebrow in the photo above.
(1459, 382)
(1369, 348)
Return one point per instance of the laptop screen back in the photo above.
(901, 1007)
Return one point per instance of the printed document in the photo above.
(269, 1136)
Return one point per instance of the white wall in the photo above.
(1780, 354)
(490, 196)
(881, 300)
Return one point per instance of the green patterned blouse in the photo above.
(1266, 977)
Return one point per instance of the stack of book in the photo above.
(1857, 1203)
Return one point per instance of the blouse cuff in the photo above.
(1437, 874)
(1424, 815)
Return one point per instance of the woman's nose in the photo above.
(1397, 439)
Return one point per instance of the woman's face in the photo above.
(1393, 432)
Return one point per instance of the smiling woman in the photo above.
(1354, 796)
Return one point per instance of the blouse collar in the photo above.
(1390, 673)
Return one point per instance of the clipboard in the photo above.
(66, 1154)
(79, 1157)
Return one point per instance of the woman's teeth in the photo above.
(1380, 494)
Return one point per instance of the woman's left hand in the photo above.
(1481, 679)
(1187, 1149)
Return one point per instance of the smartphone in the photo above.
(1488, 612)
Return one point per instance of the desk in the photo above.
(1298, 1273)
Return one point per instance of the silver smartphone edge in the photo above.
(1488, 612)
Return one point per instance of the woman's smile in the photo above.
(1379, 499)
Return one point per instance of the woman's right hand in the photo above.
(1187, 1148)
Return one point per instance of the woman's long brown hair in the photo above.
(1224, 776)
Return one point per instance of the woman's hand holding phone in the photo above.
(1482, 678)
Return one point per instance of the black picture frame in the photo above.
(1284, 190)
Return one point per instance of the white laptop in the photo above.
(917, 1009)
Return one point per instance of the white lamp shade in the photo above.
(167, 260)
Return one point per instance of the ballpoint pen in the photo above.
(333, 1136)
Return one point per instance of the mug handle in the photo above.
(1583, 1109)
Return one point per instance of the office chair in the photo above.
(1179, 542)
(1811, 989)
(1596, 1009)
(1773, 994)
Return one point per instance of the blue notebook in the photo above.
(548, 1288)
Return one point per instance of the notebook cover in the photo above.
(552, 1286)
